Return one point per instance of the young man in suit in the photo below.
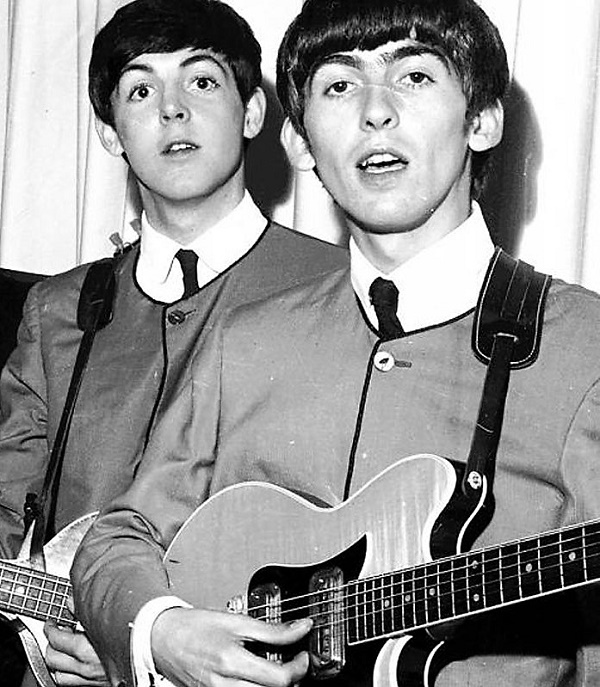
(176, 89)
(393, 103)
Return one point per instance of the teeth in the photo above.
(379, 159)
(180, 146)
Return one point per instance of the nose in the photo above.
(173, 107)
(380, 110)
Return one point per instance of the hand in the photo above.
(207, 648)
(71, 658)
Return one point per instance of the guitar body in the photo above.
(32, 594)
(265, 543)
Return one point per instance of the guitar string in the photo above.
(501, 573)
(419, 584)
(453, 573)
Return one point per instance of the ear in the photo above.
(109, 138)
(486, 128)
(254, 118)
(296, 147)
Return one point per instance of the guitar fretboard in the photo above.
(34, 594)
(468, 583)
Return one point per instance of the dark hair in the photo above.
(459, 29)
(164, 26)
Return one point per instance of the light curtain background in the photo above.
(62, 195)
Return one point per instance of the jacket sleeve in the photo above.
(581, 475)
(118, 568)
(23, 426)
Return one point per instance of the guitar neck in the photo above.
(470, 583)
(34, 594)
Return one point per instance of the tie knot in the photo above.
(189, 266)
(384, 297)
(384, 293)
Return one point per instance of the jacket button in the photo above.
(176, 317)
(383, 361)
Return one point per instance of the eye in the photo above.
(140, 91)
(205, 83)
(416, 78)
(339, 87)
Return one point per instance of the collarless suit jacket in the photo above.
(134, 361)
(299, 391)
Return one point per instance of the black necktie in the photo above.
(189, 266)
(384, 297)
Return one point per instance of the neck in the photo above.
(186, 221)
(387, 250)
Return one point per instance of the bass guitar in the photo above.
(29, 597)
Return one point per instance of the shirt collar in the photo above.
(221, 245)
(439, 283)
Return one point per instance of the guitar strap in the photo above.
(506, 336)
(94, 311)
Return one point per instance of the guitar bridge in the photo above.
(328, 637)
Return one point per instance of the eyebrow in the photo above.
(400, 53)
(187, 62)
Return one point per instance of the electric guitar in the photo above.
(363, 570)
(29, 597)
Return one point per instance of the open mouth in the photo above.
(179, 147)
(377, 163)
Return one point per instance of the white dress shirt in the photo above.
(159, 274)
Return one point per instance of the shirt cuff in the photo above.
(142, 661)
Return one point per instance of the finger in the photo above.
(63, 663)
(70, 680)
(71, 642)
(272, 674)
(277, 634)
(70, 655)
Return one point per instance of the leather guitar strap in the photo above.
(94, 311)
(506, 336)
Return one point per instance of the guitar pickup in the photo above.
(264, 603)
(327, 639)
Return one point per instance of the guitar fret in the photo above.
(474, 583)
(372, 611)
(529, 578)
(492, 576)
(571, 559)
(389, 597)
(420, 597)
(592, 555)
(584, 558)
(433, 592)
(445, 590)
(351, 612)
(551, 578)
(510, 573)
(460, 584)
(361, 616)
(38, 595)
(408, 601)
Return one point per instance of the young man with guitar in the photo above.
(344, 400)
(176, 89)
